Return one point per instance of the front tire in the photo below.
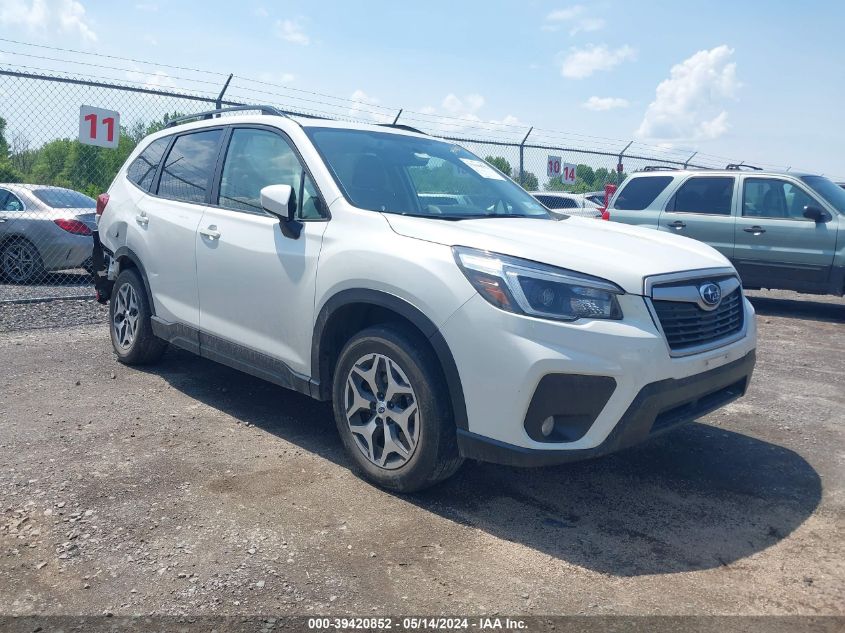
(129, 319)
(392, 409)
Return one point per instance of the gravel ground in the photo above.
(188, 488)
(64, 284)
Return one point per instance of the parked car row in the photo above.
(43, 229)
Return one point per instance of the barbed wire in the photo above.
(438, 120)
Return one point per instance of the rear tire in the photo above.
(129, 322)
(393, 411)
(20, 261)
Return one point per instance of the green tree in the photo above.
(584, 175)
(4, 144)
(529, 181)
(500, 163)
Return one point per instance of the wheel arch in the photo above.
(350, 311)
(126, 258)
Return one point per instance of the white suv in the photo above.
(317, 255)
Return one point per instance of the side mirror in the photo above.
(812, 212)
(280, 200)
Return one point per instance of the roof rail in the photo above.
(741, 166)
(659, 168)
(400, 126)
(208, 114)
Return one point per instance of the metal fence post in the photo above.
(219, 102)
(619, 167)
(522, 156)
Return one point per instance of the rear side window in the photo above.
(143, 168)
(712, 196)
(189, 167)
(553, 202)
(638, 193)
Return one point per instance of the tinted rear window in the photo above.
(638, 193)
(143, 169)
(64, 198)
(189, 166)
(712, 195)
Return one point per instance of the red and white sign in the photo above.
(556, 168)
(99, 127)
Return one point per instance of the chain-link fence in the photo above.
(49, 179)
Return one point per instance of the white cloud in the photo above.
(45, 17)
(457, 115)
(149, 7)
(587, 25)
(602, 104)
(276, 77)
(153, 80)
(689, 104)
(581, 63)
(151, 40)
(261, 12)
(363, 110)
(575, 15)
(291, 31)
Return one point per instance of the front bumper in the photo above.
(658, 407)
(504, 361)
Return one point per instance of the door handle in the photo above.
(756, 230)
(677, 225)
(211, 232)
(142, 219)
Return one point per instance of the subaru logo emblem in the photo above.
(711, 294)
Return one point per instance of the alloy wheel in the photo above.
(125, 318)
(382, 411)
(20, 260)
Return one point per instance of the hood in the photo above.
(617, 252)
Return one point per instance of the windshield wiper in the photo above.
(472, 216)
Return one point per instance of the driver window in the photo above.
(773, 198)
(9, 201)
(256, 159)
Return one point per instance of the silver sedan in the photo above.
(42, 229)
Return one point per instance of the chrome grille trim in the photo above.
(687, 325)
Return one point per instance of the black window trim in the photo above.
(670, 203)
(790, 181)
(306, 171)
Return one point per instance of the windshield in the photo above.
(828, 190)
(408, 175)
(64, 198)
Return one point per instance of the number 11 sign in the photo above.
(98, 126)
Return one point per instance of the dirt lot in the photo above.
(189, 488)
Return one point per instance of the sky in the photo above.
(733, 81)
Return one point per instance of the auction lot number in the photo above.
(556, 168)
(99, 127)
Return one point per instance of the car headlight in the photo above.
(526, 287)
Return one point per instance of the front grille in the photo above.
(686, 325)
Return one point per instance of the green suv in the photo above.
(780, 230)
